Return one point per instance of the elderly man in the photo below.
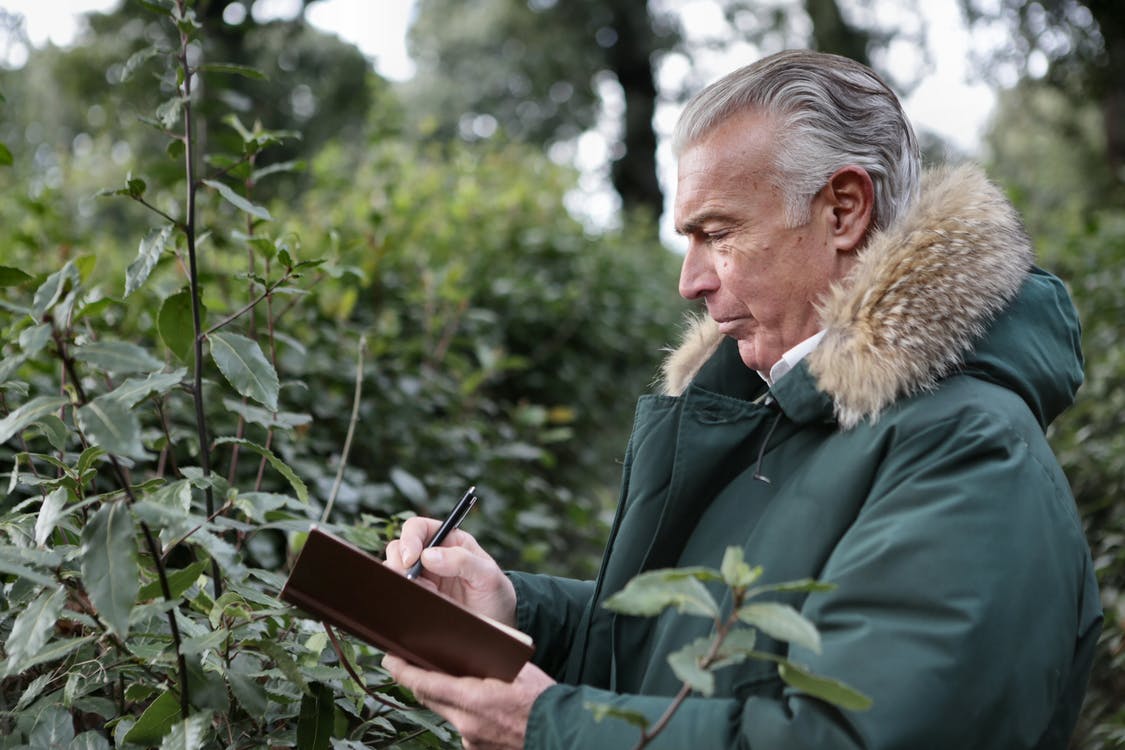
(865, 403)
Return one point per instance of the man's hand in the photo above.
(459, 568)
(489, 714)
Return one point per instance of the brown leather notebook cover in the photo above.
(345, 586)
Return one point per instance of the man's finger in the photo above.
(458, 562)
(415, 533)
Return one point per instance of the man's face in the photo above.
(759, 277)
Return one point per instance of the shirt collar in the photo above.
(790, 359)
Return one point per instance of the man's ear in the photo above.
(851, 197)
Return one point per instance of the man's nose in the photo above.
(697, 275)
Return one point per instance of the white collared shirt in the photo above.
(790, 359)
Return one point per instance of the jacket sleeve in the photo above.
(964, 606)
(549, 608)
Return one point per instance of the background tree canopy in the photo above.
(394, 301)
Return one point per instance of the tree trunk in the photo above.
(634, 173)
(1110, 80)
(831, 33)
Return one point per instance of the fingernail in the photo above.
(402, 553)
(433, 555)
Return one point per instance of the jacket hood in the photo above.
(949, 287)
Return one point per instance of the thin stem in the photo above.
(351, 429)
(158, 212)
(648, 735)
(172, 545)
(245, 309)
(189, 228)
(722, 629)
(150, 539)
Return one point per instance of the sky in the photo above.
(945, 99)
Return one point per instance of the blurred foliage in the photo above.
(508, 343)
(1076, 47)
(148, 517)
(1049, 152)
(481, 69)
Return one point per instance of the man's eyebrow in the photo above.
(695, 223)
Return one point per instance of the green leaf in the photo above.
(317, 718)
(33, 691)
(266, 418)
(156, 720)
(204, 642)
(175, 496)
(239, 70)
(179, 581)
(89, 740)
(168, 113)
(55, 651)
(15, 567)
(152, 245)
(831, 691)
(34, 627)
(109, 565)
(5, 156)
(28, 414)
(245, 367)
(409, 485)
(282, 660)
(604, 710)
(282, 167)
(117, 357)
(652, 592)
(12, 276)
(231, 602)
(736, 572)
(280, 466)
(32, 340)
(237, 200)
(136, 60)
(736, 647)
(52, 288)
(248, 692)
(188, 734)
(9, 365)
(687, 664)
(234, 122)
(782, 622)
(134, 390)
(805, 585)
(55, 430)
(112, 426)
(176, 324)
(49, 514)
(53, 728)
(135, 187)
(87, 458)
(224, 553)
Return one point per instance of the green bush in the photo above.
(420, 318)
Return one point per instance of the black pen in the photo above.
(456, 516)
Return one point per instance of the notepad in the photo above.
(343, 585)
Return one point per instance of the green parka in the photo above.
(906, 464)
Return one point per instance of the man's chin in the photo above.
(752, 356)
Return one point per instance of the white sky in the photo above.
(946, 100)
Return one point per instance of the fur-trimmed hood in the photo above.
(922, 292)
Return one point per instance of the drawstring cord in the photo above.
(762, 451)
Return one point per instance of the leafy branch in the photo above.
(652, 592)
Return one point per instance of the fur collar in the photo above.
(922, 292)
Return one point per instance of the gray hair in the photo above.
(830, 112)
